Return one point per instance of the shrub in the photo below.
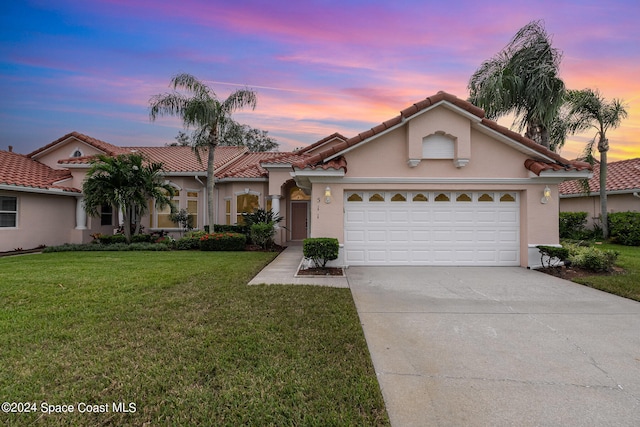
(624, 228)
(142, 238)
(592, 258)
(110, 239)
(113, 247)
(573, 225)
(262, 234)
(224, 228)
(261, 216)
(554, 255)
(321, 250)
(223, 242)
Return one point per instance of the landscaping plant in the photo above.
(321, 250)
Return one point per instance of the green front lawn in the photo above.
(626, 285)
(181, 337)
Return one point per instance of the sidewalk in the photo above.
(282, 271)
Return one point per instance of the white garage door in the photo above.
(432, 228)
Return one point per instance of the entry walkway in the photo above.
(282, 271)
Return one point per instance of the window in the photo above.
(507, 197)
(298, 194)
(163, 215)
(420, 198)
(227, 211)
(246, 203)
(8, 211)
(442, 197)
(485, 197)
(398, 197)
(463, 197)
(376, 197)
(192, 207)
(437, 146)
(106, 215)
(354, 197)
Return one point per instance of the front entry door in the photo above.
(299, 220)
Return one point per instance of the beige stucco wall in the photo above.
(42, 220)
(591, 205)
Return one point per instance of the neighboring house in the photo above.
(623, 191)
(437, 185)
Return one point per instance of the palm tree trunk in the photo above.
(126, 216)
(603, 193)
(211, 213)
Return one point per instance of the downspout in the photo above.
(636, 194)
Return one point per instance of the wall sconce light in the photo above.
(546, 195)
(327, 195)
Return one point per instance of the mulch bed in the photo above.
(570, 273)
(328, 271)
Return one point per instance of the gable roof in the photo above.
(21, 171)
(622, 177)
(545, 159)
(105, 147)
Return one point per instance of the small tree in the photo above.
(184, 219)
(126, 181)
(590, 110)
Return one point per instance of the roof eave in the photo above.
(40, 190)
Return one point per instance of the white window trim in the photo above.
(12, 212)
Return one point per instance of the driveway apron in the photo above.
(503, 346)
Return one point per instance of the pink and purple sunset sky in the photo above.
(318, 67)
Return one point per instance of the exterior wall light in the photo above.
(327, 195)
(546, 195)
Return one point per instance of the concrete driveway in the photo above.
(500, 346)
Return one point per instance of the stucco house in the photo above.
(623, 191)
(439, 184)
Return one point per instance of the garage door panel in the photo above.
(455, 232)
(376, 236)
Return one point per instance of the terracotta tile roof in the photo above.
(249, 165)
(537, 167)
(622, 175)
(109, 149)
(183, 159)
(19, 170)
(324, 140)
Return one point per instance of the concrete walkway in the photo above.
(282, 271)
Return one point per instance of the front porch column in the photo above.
(275, 206)
(81, 215)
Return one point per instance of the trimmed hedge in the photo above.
(624, 228)
(96, 247)
(573, 225)
(223, 242)
(555, 255)
(223, 228)
(321, 250)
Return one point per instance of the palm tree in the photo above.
(589, 109)
(522, 79)
(126, 181)
(200, 107)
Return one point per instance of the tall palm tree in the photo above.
(522, 79)
(589, 109)
(198, 106)
(128, 182)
